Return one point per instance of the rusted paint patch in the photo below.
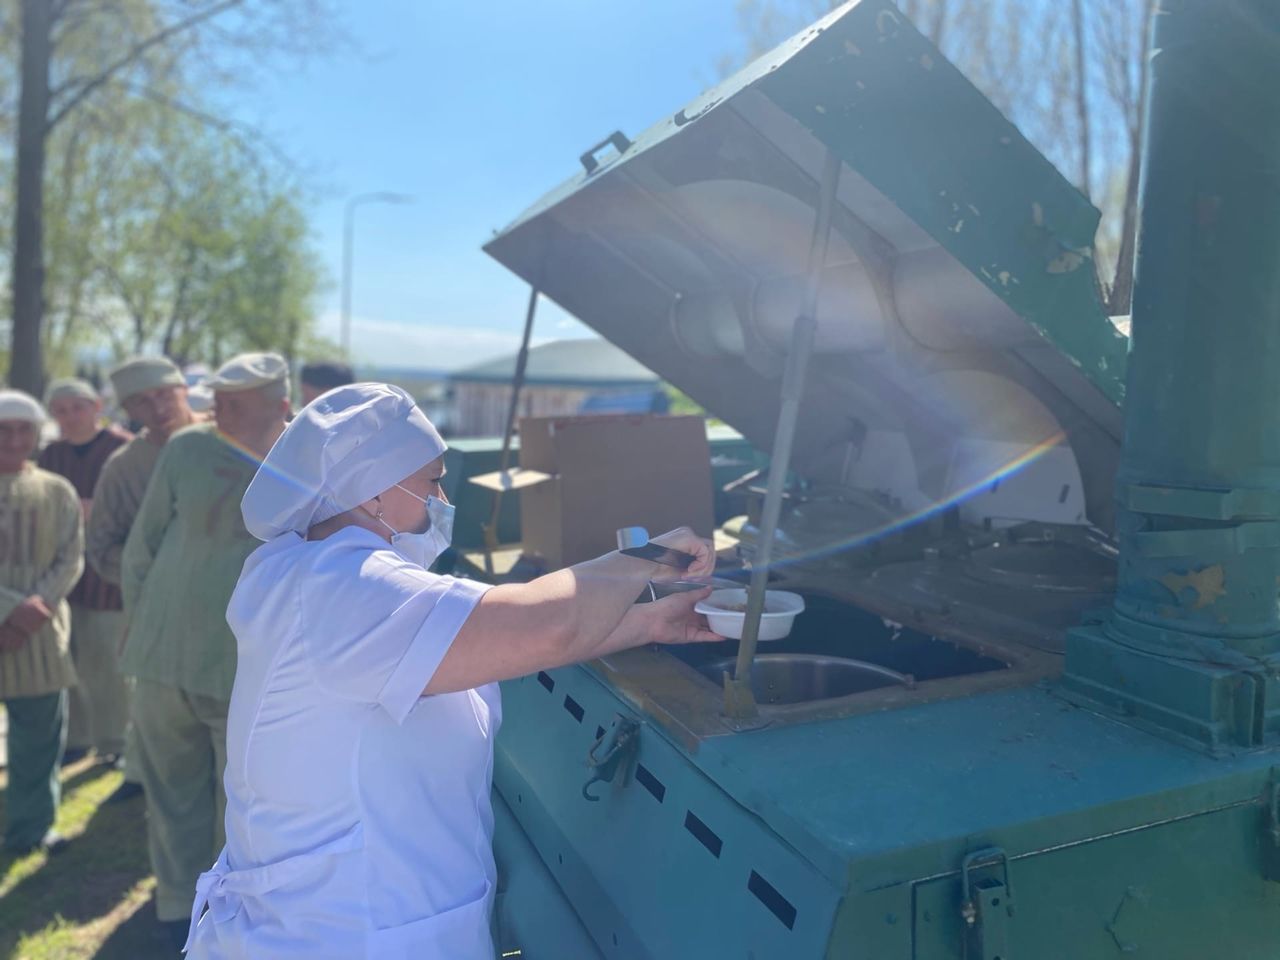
(887, 24)
(1068, 261)
(1208, 584)
(926, 61)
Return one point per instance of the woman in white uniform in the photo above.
(360, 735)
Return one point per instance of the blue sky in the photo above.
(475, 109)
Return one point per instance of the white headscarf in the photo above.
(344, 448)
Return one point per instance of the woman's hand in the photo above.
(672, 620)
(686, 541)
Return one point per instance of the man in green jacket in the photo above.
(180, 565)
(153, 392)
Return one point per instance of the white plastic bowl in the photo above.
(780, 610)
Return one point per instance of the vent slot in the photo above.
(650, 782)
(574, 708)
(544, 678)
(706, 836)
(778, 905)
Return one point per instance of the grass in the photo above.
(94, 898)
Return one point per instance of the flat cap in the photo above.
(145, 373)
(72, 387)
(248, 371)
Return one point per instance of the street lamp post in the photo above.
(348, 237)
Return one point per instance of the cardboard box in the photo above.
(581, 478)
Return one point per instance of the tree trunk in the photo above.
(1082, 97)
(26, 360)
(1119, 302)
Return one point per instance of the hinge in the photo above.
(986, 905)
(613, 751)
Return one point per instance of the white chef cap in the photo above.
(16, 405)
(344, 448)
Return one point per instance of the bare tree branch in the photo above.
(132, 55)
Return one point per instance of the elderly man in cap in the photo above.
(41, 558)
(180, 566)
(99, 705)
(153, 392)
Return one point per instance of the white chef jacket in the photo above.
(358, 815)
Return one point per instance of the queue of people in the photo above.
(312, 710)
(113, 634)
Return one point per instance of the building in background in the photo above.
(562, 378)
(429, 388)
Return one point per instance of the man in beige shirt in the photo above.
(153, 392)
(41, 558)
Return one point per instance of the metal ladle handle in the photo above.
(635, 542)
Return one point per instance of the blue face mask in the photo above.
(423, 548)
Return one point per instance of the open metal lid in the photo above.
(961, 354)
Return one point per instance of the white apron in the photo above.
(358, 816)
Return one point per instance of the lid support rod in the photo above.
(490, 529)
(739, 702)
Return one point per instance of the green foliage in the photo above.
(681, 403)
(167, 227)
(684, 405)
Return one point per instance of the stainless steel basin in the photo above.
(780, 678)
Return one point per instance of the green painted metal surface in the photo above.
(655, 868)
(860, 827)
(472, 457)
(1193, 643)
(1027, 238)
(906, 830)
(731, 457)
(957, 253)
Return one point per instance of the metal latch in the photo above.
(613, 751)
(1271, 832)
(987, 905)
